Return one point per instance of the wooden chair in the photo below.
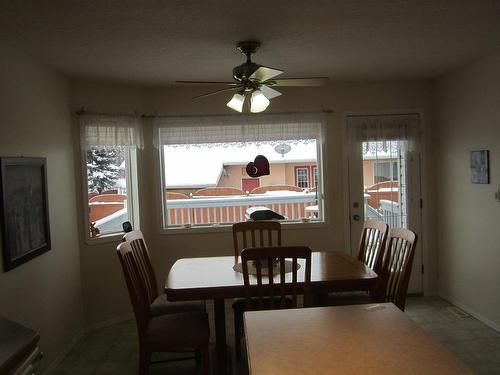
(371, 252)
(158, 302)
(372, 244)
(396, 268)
(163, 333)
(251, 234)
(255, 234)
(263, 257)
(274, 291)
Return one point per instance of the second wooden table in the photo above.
(214, 278)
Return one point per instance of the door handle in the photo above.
(355, 217)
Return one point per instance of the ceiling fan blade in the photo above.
(313, 81)
(209, 83)
(265, 73)
(216, 92)
(269, 92)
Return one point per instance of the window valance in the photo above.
(238, 129)
(110, 130)
(383, 127)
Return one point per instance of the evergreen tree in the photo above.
(103, 167)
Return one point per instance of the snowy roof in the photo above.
(112, 222)
(202, 166)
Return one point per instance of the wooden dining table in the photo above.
(214, 278)
(362, 339)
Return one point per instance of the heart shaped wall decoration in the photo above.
(258, 167)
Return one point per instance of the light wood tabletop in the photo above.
(362, 339)
(214, 278)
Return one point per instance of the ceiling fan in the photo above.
(255, 81)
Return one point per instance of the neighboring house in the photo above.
(380, 170)
(381, 174)
(380, 162)
(295, 173)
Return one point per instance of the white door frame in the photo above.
(346, 185)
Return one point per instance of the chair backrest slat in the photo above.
(255, 234)
(396, 267)
(141, 254)
(372, 244)
(135, 286)
(275, 286)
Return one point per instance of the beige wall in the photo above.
(45, 293)
(101, 273)
(368, 173)
(469, 252)
(233, 176)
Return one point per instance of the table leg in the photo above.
(220, 335)
(314, 300)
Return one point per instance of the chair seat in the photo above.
(348, 298)
(178, 330)
(239, 304)
(161, 306)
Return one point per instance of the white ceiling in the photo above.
(158, 42)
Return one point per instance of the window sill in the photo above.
(228, 228)
(104, 238)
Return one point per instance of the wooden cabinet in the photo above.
(19, 352)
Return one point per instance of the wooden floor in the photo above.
(114, 350)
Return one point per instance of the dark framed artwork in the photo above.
(24, 209)
(479, 167)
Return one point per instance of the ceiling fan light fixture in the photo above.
(236, 102)
(258, 102)
(253, 81)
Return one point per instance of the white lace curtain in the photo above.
(111, 130)
(238, 129)
(384, 128)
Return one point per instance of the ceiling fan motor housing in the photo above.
(255, 80)
(245, 70)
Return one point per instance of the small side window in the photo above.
(108, 187)
(109, 154)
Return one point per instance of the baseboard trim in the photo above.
(92, 327)
(431, 293)
(50, 369)
(472, 312)
(109, 322)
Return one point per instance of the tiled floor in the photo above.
(113, 350)
(475, 343)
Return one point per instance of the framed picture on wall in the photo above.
(24, 209)
(479, 167)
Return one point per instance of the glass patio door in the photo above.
(384, 178)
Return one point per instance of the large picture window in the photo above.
(109, 158)
(204, 179)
